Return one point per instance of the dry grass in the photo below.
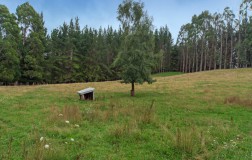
(185, 81)
(72, 113)
(10, 91)
(184, 141)
(207, 91)
(148, 114)
(238, 101)
(189, 140)
(119, 131)
(67, 113)
(38, 151)
(114, 111)
(124, 130)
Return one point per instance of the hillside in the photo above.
(204, 115)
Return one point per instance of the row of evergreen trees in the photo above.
(28, 54)
(69, 54)
(217, 41)
(23, 44)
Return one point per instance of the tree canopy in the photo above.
(71, 53)
(135, 58)
(9, 46)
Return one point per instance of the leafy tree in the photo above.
(136, 54)
(9, 39)
(33, 43)
(244, 45)
(174, 58)
(229, 18)
(162, 48)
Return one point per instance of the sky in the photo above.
(103, 13)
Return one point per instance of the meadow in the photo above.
(204, 115)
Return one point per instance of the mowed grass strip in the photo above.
(203, 115)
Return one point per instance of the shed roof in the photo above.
(87, 90)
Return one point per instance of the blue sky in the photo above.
(96, 13)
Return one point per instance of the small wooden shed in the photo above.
(87, 94)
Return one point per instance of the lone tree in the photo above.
(135, 58)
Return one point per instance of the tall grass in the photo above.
(238, 101)
(69, 113)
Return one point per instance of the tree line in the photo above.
(216, 41)
(31, 55)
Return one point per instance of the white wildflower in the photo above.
(66, 143)
(47, 146)
(76, 125)
(72, 139)
(60, 115)
(67, 122)
(41, 139)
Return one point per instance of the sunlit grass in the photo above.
(165, 74)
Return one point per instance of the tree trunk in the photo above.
(189, 63)
(239, 49)
(161, 67)
(221, 51)
(246, 54)
(215, 50)
(225, 58)
(231, 54)
(186, 60)
(181, 62)
(206, 56)
(201, 56)
(24, 35)
(132, 93)
(197, 62)
(210, 50)
(193, 61)
(183, 70)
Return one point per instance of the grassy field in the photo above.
(165, 74)
(205, 115)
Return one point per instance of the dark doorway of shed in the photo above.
(87, 96)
